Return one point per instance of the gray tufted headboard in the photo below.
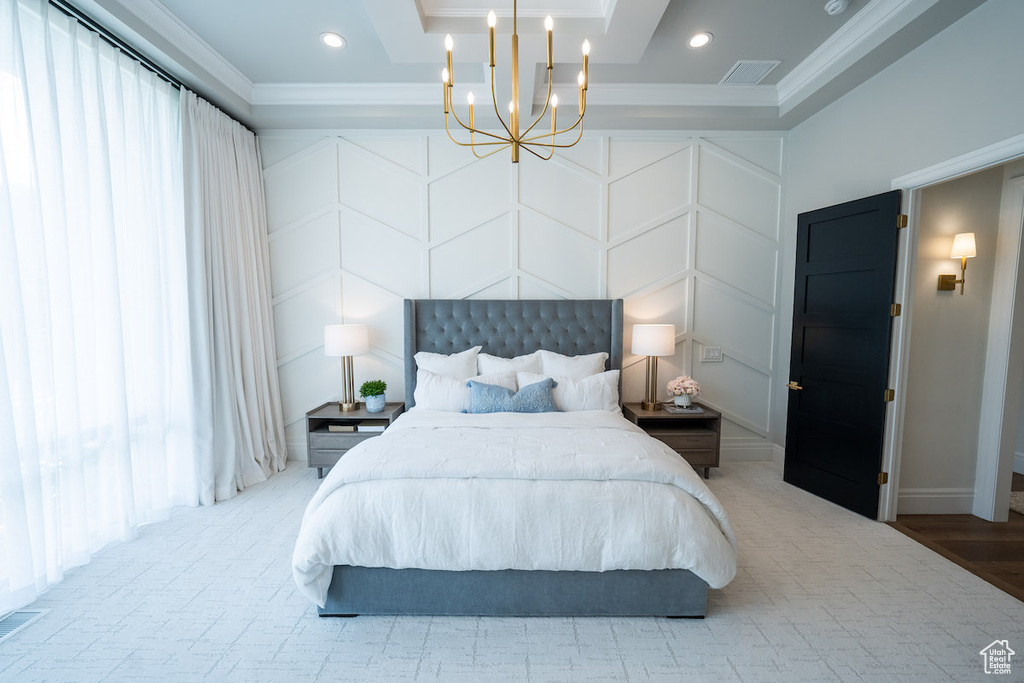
(509, 328)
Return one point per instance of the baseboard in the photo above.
(778, 454)
(296, 449)
(951, 501)
(1018, 462)
(747, 450)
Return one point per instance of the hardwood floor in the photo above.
(992, 551)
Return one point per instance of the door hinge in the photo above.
(901, 220)
(890, 395)
(883, 478)
(895, 310)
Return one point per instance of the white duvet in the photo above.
(584, 491)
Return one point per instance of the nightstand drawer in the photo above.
(701, 458)
(325, 457)
(339, 440)
(687, 440)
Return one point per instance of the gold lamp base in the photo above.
(647, 405)
(348, 407)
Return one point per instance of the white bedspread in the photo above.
(584, 491)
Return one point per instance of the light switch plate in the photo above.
(711, 354)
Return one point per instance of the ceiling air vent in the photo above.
(749, 71)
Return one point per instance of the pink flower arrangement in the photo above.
(683, 385)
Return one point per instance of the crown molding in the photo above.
(172, 29)
(425, 94)
(879, 20)
(679, 95)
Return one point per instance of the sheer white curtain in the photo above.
(96, 412)
(239, 426)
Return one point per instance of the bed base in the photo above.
(512, 593)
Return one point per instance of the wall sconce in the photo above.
(653, 341)
(346, 341)
(963, 249)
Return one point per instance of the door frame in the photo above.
(986, 488)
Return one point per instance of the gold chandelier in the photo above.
(512, 137)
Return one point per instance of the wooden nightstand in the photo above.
(696, 437)
(324, 447)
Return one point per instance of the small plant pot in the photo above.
(375, 404)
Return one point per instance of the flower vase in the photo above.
(683, 400)
(375, 404)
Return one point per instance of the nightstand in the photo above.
(696, 437)
(325, 447)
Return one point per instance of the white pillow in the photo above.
(437, 392)
(460, 365)
(597, 392)
(575, 367)
(528, 363)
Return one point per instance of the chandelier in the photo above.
(541, 145)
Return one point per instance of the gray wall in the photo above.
(957, 93)
(947, 340)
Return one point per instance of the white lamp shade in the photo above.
(963, 246)
(346, 340)
(654, 340)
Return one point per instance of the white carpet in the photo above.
(822, 594)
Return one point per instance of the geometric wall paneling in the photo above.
(531, 289)
(407, 152)
(561, 192)
(648, 258)
(370, 185)
(741, 325)
(307, 381)
(304, 251)
(364, 302)
(667, 304)
(588, 154)
(739, 391)
(763, 152)
(468, 197)
(276, 149)
(557, 255)
(650, 195)
(453, 275)
(740, 191)
(443, 157)
(299, 318)
(741, 258)
(627, 155)
(384, 256)
(506, 289)
(684, 228)
(301, 185)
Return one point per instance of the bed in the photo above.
(588, 516)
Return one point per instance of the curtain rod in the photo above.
(115, 41)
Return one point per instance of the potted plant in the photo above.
(683, 389)
(373, 393)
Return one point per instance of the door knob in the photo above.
(794, 386)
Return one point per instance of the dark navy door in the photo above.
(839, 363)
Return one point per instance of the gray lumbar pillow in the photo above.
(491, 398)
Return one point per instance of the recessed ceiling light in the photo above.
(700, 39)
(331, 39)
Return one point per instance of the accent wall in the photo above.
(685, 228)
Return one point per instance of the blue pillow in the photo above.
(533, 398)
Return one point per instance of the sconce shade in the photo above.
(963, 246)
(346, 340)
(654, 340)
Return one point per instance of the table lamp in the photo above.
(346, 341)
(653, 340)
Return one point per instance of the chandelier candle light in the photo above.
(544, 142)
